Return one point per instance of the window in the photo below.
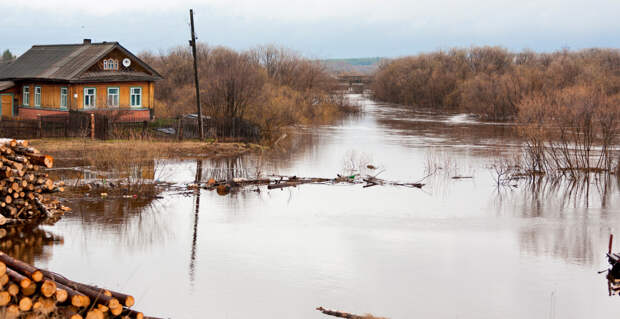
(26, 97)
(113, 97)
(37, 96)
(110, 64)
(136, 96)
(89, 97)
(63, 98)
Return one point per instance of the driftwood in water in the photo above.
(347, 315)
(279, 182)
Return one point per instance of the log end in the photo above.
(130, 301)
(61, 295)
(48, 288)
(25, 304)
(37, 276)
(5, 298)
(116, 311)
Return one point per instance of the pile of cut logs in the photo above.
(28, 292)
(23, 185)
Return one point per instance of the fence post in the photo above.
(92, 126)
(67, 126)
(145, 125)
(180, 129)
(39, 126)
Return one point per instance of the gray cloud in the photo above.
(320, 29)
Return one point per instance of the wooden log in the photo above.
(23, 281)
(132, 314)
(339, 314)
(124, 299)
(22, 267)
(61, 295)
(4, 279)
(12, 311)
(48, 288)
(116, 310)
(96, 295)
(13, 289)
(94, 314)
(76, 298)
(40, 159)
(5, 298)
(30, 290)
(25, 304)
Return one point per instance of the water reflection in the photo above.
(384, 250)
(192, 261)
(28, 243)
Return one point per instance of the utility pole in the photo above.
(192, 43)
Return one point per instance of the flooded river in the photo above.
(457, 248)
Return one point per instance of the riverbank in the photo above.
(73, 147)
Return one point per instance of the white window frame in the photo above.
(37, 96)
(64, 97)
(110, 64)
(94, 98)
(26, 95)
(117, 95)
(132, 94)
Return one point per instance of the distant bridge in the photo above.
(354, 82)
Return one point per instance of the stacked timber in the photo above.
(29, 292)
(23, 185)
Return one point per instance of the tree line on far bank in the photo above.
(269, 86)
(566, 102)
(7, 56)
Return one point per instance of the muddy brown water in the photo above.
(458, 248)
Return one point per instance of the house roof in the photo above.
(67, 62)
(6, 85)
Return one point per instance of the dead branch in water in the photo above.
(341, 314)
(279, 182)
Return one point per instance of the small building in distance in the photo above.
(88, 77)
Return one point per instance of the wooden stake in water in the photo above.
(611, 238)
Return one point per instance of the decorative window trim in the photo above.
(118, 96)
(37, 96)
(131, 94)
(66, 98)
(94, 104)
(110, 64)
(26, 95)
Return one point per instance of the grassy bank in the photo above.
(146, 149)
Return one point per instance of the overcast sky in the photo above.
(318, 29)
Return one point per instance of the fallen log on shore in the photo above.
(29, 290)
(23, 185)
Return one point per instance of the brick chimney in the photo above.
(87, 41)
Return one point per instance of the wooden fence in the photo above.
(104, 127)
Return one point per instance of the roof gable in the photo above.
(66, 62)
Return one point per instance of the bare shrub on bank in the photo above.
(267, 86)
(491, 81)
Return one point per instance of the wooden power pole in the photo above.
(192, 43)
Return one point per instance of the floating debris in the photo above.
(224, 187)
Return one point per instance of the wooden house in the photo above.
(87, 77)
